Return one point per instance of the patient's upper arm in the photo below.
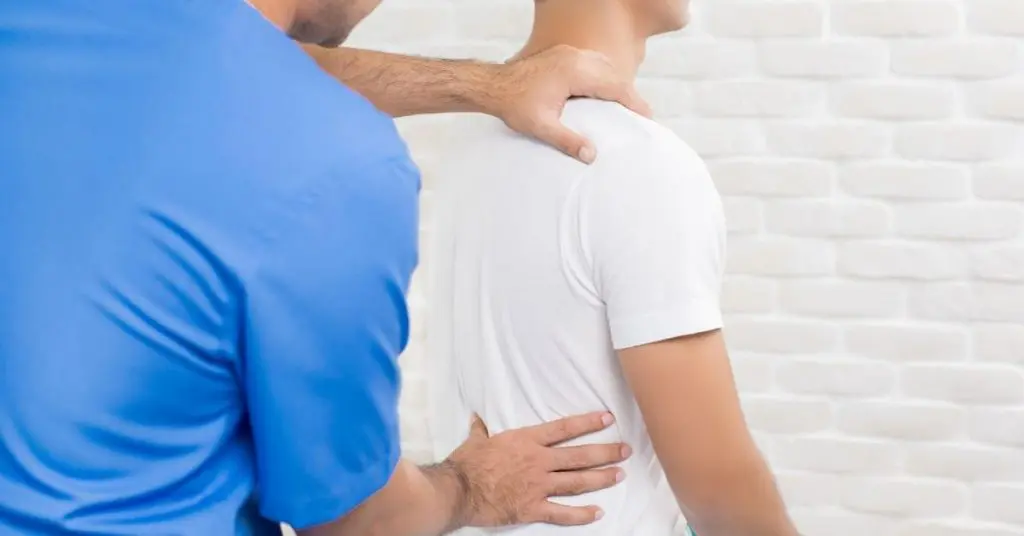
(686, 392)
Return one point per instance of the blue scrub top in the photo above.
(205, 245)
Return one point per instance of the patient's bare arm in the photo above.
(687, 394)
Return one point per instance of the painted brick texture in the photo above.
(871, 157)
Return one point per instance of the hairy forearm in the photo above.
(407, 85)
(427, 501)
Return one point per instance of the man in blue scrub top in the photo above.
(206, 244)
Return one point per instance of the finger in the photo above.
(477, 428)
(588, 456)
(554, 432)
(580, 482)
(564, 139)
(557, 514)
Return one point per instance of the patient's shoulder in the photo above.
(636, 153)
(625, 138)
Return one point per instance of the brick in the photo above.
(901, 260)
(772, 177)
(753, 373)
(743, 215)
(668, 98)
(418, 313)
(965, 527)
(901, 420)
(766, 19)
(720, 137)
(988, 302)
(999, 502)
(838, 523)
(997, 302)
(999, 263)
(507, 21)
(779, 256)
(999, 17)
(757, 99)
(905, 180)
(999, 342)
(967, 59)
(396, 26)
(433, 134)
(965, 462)
(827, 219)
(999, 182)
(1003, 427)
(896, 18)
(786, 416)
(907, 343)
(904, 498)
(835, 378)
(699, 59)
(959, 221)
(893, 100)
(780, 336)
(962, 384)
(833, 455)
(1002, 100)
(741, 294)
(955, 141)
(828, 140)
(823, 59)
(801, 489)
(841, 299)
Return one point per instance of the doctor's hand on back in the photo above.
(491, 481)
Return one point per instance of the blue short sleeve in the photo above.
(326, 318)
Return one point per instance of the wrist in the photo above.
(452, 486)
(480, 88)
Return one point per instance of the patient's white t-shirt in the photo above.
(543, 267)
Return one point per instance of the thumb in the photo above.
(477, 428)
(566, 140)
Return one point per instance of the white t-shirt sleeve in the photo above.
(652, 231)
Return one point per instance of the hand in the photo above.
(509, 477)
(531, 93)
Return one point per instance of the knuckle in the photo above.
(545, 516)
(536, 461)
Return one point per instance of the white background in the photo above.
(871, 154)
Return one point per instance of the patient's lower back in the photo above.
(528, 303)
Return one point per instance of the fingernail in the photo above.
(598, 514)
(607, 419)
(626, 451)
(587, 154)
(620, 475)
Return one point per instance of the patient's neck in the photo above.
(604, 26)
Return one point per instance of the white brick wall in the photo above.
(871, 153)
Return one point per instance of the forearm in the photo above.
(416, 501)
(745, 501)
(406, 85)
